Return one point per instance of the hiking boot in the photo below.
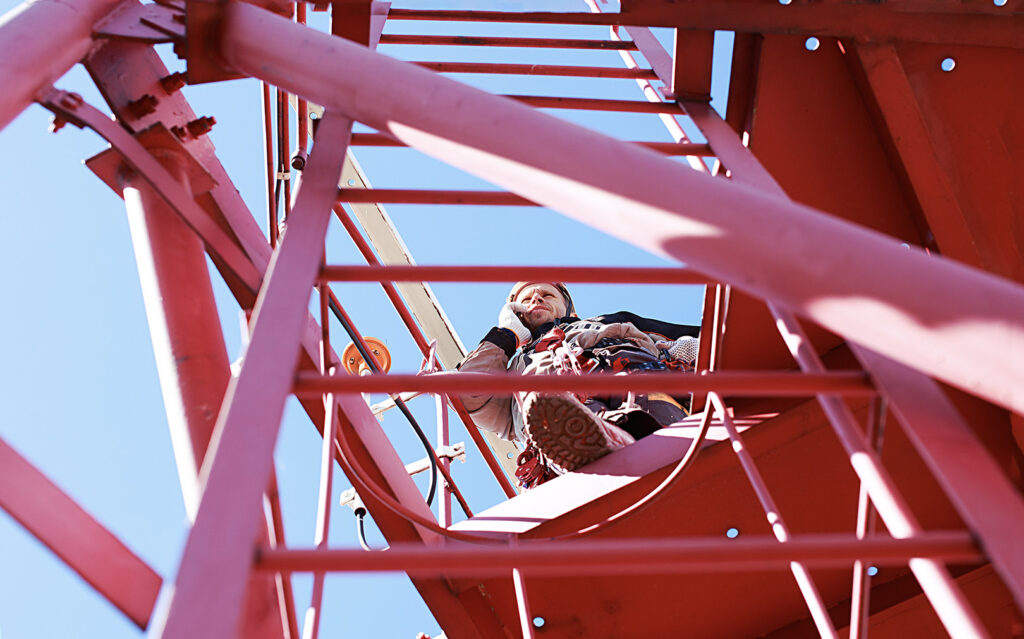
(567, 433)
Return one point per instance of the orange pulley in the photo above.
(354, 364)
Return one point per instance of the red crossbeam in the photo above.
(481, 273)
(644, 556)
(499, 41)
(668, 148)
(539, 69)
(432, 196)
(731, 383)
(80, 541)
(597, 104)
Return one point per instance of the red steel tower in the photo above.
(855, 218)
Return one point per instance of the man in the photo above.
(539, 333)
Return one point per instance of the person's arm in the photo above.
(491, 412)
(680, 341)
(657, 329)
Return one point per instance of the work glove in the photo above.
(683, 349)
(507, 318)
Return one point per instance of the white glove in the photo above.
(683, 349)
(507, 318)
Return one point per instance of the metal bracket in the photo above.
(146, 23)
(71, 108)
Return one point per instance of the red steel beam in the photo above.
(628, 557)
(668, 148)
(942, 23)
(726, 383)
(81, 542)
(902, 118)
(39, 42)
(982, 494)
(432, 196)
(976, 24)
(504, 41)
(595, 104)
(665, 208)
(487, 273)
(211, 579)
(804, 582)
(191, 357)
(538, 69)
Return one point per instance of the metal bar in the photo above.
(211, 578)
(652, 95)
(81, 542)
(803, 578)
(418, 337)
(444, 505)
(668, 148)
(39, 41)
(946, 24)
(942, 592)
(432, 196)
(534, 17)
(596, 104)
(286, 596)
(665, 208)
(137, 157)
(311, 625)
(860, 594)
(271, 173)
(978, 488)
(503, 41)
(538, 69)
(188, 346)
(646, 556)
(487, 273)
(917, 155)
(731, 383)
(522, 604)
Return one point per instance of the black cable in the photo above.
(361, 529)
(371, 363)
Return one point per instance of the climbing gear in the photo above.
(533, 468)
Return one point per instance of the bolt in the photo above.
(143, 106)
(173, 82)
(299, 159)
(57, 123)
(179, 132)
(200, 126)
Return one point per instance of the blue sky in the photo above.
(78, 383)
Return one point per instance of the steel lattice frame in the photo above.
(798, 260)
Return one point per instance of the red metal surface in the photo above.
(724, 383)
(679, 211)
(774, 516)
(239, 467)
(488, 273)
(40, 42)
(651, 555)
(864, 129)
(88, 548)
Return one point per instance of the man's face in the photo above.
(544, 303)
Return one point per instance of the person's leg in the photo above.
(565, 431)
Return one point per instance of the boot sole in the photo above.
(567, 433)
